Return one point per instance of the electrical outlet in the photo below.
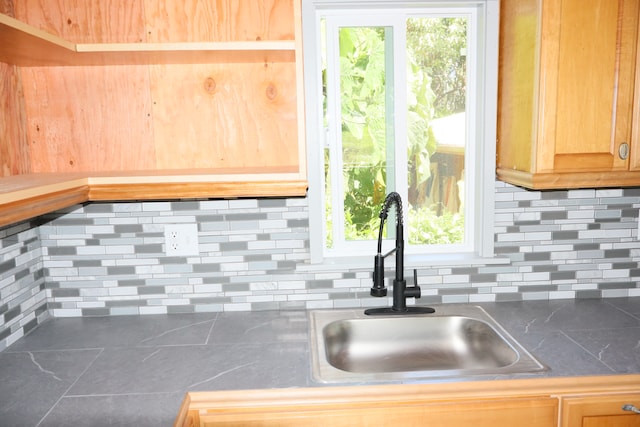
(181, 239)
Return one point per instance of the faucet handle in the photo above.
(413, 291)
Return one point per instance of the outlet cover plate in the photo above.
(181, 239)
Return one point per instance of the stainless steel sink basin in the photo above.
(456, 341)
(414, 344)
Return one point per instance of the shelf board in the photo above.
(24, 45)
(23, 197)
(227, 183)
(20, 187)
(567, 180)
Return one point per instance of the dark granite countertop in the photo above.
(137, 369)
(576, 337)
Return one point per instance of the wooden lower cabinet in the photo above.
(535, 402)
(600, 411)
(536, 412)
(395, 405)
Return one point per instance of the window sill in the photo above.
(365, 263)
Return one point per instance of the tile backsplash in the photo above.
(108, 258)
(23, 299)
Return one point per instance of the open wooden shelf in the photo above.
(24, 45)
(24, 197)
(157, 102)
(195, 184)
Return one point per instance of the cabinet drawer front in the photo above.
(532, 412)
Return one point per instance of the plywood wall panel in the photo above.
(219, 20)
(86, 21)
(225, 115)
(180, 116)
(6, 7)
(89, 118)
(14, 150)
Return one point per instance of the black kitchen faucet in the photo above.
(400, 289)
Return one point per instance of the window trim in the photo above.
(486, 113)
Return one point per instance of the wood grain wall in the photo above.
(165, 116)
(14, 154)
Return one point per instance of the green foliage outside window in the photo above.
(436, 88)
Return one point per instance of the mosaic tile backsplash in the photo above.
(23, 299)
(108, 258)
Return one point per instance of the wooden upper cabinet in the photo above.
(566, 114)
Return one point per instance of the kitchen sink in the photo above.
(456, 341)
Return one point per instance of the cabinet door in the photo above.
(600, 411)
(587, 59)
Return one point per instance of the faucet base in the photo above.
(389, 310)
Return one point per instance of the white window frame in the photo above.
(480, 173)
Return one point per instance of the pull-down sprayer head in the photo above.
(379, 289)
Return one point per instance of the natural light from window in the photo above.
(403, 93)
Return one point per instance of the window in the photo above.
(401, 96)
